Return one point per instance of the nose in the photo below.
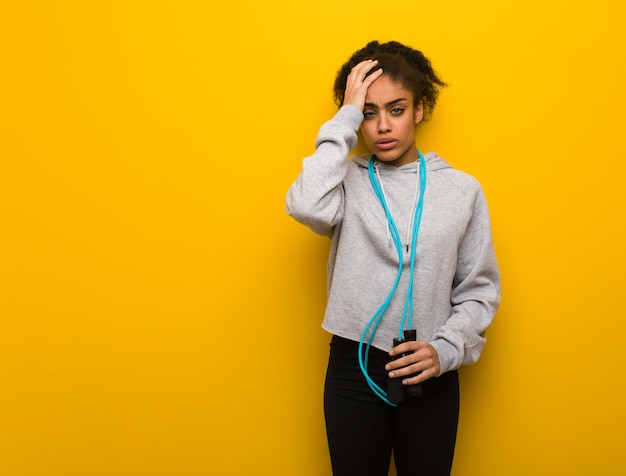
(384, 126)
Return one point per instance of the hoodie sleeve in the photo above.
(316, 198)
(475, 294)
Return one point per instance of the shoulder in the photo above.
(463, 181)
(444, 175)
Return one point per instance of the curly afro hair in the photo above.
(402, 64)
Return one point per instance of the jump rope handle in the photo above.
(396, 392)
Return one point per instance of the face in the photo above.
(389, 124)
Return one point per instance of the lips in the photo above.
(385, 144)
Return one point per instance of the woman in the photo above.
(413, 281)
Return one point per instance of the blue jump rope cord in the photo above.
(397, 240)
(417, 220)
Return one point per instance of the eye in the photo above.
(396, 111)
(368, 114)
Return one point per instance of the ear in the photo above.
(419, 112)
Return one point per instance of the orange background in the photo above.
(160, 314)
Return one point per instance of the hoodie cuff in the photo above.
(449, 358)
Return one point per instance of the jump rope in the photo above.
(394, 235)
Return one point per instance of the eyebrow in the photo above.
(389, 104)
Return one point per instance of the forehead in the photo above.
(385, 90)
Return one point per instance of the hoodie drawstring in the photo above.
(415, 200)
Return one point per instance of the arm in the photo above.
(475, 296)
(316, 197)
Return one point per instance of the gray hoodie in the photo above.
(456, 288)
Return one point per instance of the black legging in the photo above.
(362, 430)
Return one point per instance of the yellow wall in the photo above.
(159, 312)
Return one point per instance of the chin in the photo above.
(390, 157)
(387, 155)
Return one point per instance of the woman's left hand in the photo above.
(424, 359)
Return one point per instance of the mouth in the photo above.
(385, 144)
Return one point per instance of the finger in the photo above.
(409, 346)
(406, 365)
(358, 83)
(404, 371)
(419, 360)
(359, 72)
(415, 373)
(421, 377)
(365, 65)
(373, 76)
